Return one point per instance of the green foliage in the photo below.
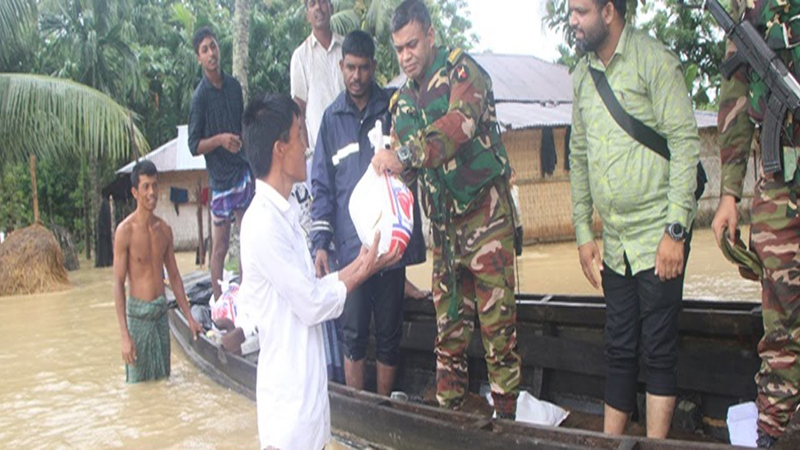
(276, 29)
(17, 24)
(48, 116)
(114, 64)
(696, 39)
(450, 19)
(14, 196)
(691, 34)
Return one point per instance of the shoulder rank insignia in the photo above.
(393, 100)
(454, 56)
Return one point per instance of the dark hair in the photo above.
(359, 43)
(621, 6)
(199, 35)
(267, 118)
(143, 167)
(411, 11)
(305, 3)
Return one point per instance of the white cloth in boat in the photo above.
(281, 291)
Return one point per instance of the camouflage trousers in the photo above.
(776, 240)
(478, 251)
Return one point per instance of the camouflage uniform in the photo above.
(450, 126)
(775, 226)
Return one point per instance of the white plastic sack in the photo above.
(534, 411)
(382, 203)
(742, 426)
(225, 307)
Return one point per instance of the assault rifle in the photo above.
(783, 90)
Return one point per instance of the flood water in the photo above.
(62, 381)
(554, 269)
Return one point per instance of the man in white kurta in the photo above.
(280, 291)
(291, 304)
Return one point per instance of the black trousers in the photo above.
(641, 317)
(381, 298)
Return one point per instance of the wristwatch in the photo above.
(404, 156)
(676, 231)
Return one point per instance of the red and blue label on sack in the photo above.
(402, 203)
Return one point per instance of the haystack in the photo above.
(31, 262)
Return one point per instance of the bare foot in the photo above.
(414, 292)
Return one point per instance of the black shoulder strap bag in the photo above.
(638, 130)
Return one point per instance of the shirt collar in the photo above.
(378, 99)
(337, 39)
(619, 52)
(210, 85)
(271, 195)
(438, 62)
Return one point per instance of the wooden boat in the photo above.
(560, 340)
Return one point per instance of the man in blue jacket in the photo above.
(343, 154)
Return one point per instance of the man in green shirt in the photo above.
(646, 203)
(445, 132)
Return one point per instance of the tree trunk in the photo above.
(241, 42)
(34, 190)
(94, 195)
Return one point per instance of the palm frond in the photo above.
(48, 116)
(379, 17)
(345, 21)
(16, 17)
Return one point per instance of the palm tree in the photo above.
(16, 17)
(45, 116)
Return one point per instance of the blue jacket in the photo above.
(336, 170)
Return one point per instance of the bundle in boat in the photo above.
(31, 262)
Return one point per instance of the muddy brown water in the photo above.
(62, 382)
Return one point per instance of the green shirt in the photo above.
(636, 191)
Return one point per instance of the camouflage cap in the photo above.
(736, 252)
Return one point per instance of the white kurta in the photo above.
(316, 78)
(281, 291)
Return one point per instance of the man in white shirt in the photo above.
(280, 288)
(314, 71)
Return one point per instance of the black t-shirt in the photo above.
(214, 111)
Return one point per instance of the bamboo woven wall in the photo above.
(546, 202)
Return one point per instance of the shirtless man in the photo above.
(142, 247)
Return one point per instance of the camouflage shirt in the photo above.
(743, 98)
(449, 123)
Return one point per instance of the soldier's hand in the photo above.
(591, 263)
(726, 216)
(669, 258)
(321, 263)
(386, 161)
(230, 142)
(128, 350)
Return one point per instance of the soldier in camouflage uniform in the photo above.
(445, 132)
(775, 228)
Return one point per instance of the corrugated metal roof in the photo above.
(173, 156)
(521, 78)
(515, 116)
(518, 78)
(533, 93)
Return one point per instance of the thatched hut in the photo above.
(31, 262)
